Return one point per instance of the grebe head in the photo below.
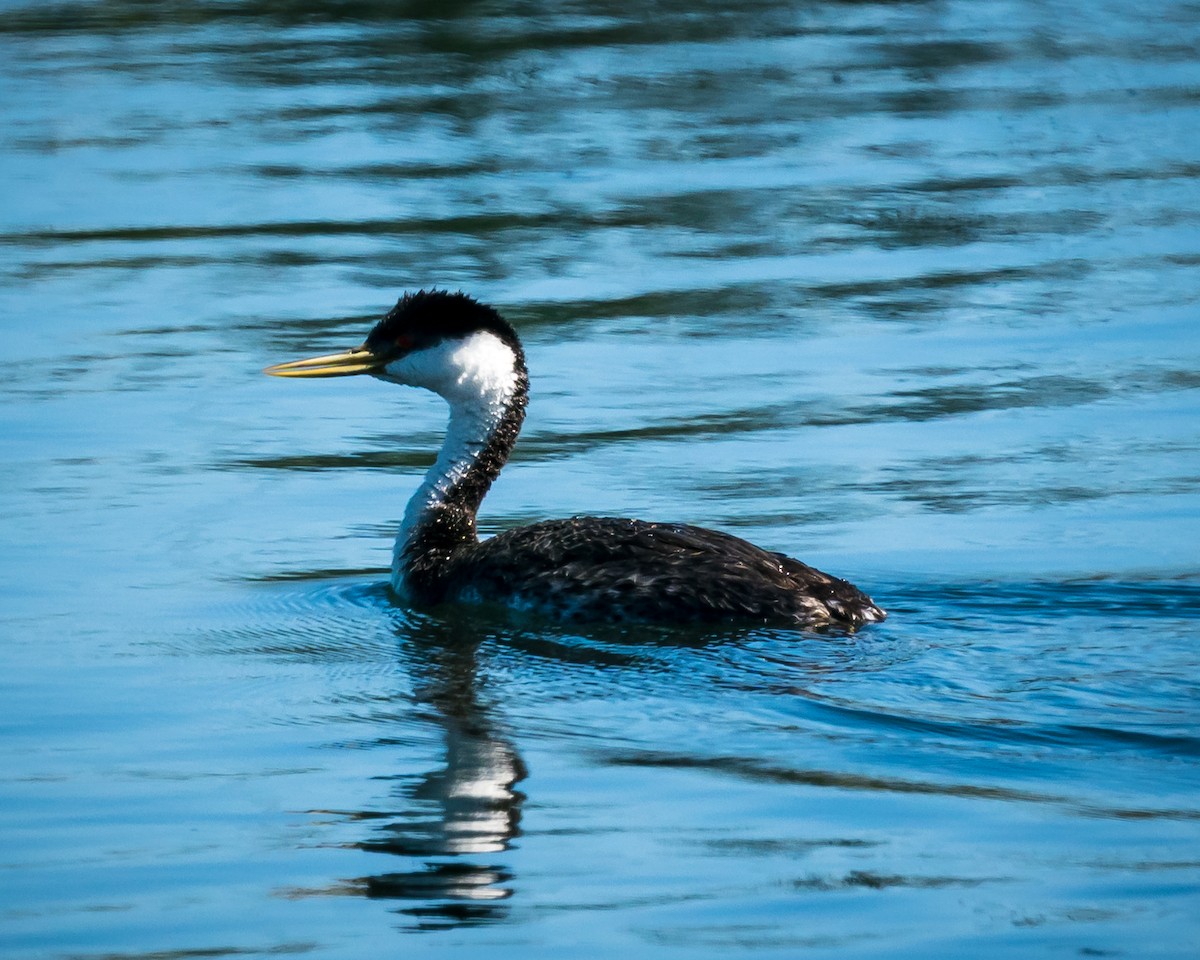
(445, 342)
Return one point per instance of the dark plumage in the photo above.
(584, 568)
(605, 568)
(423, 318)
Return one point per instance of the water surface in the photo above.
(908, 290)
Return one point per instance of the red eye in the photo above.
(404, 342)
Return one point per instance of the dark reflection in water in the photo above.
(451, 826)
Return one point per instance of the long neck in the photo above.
(485, 417)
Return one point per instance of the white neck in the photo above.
(477, 377)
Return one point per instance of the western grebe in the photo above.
(583, 568)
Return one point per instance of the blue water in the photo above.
(908, 290)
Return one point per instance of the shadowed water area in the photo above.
(907, 290)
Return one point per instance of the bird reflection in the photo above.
(451, 822)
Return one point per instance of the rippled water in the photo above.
(908, 290)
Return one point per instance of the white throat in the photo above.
(477, 377)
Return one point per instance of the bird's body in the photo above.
(583, 568)
(606, 568)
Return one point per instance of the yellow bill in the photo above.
(345, 364)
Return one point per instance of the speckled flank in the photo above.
(584, 568)
(594, 568)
